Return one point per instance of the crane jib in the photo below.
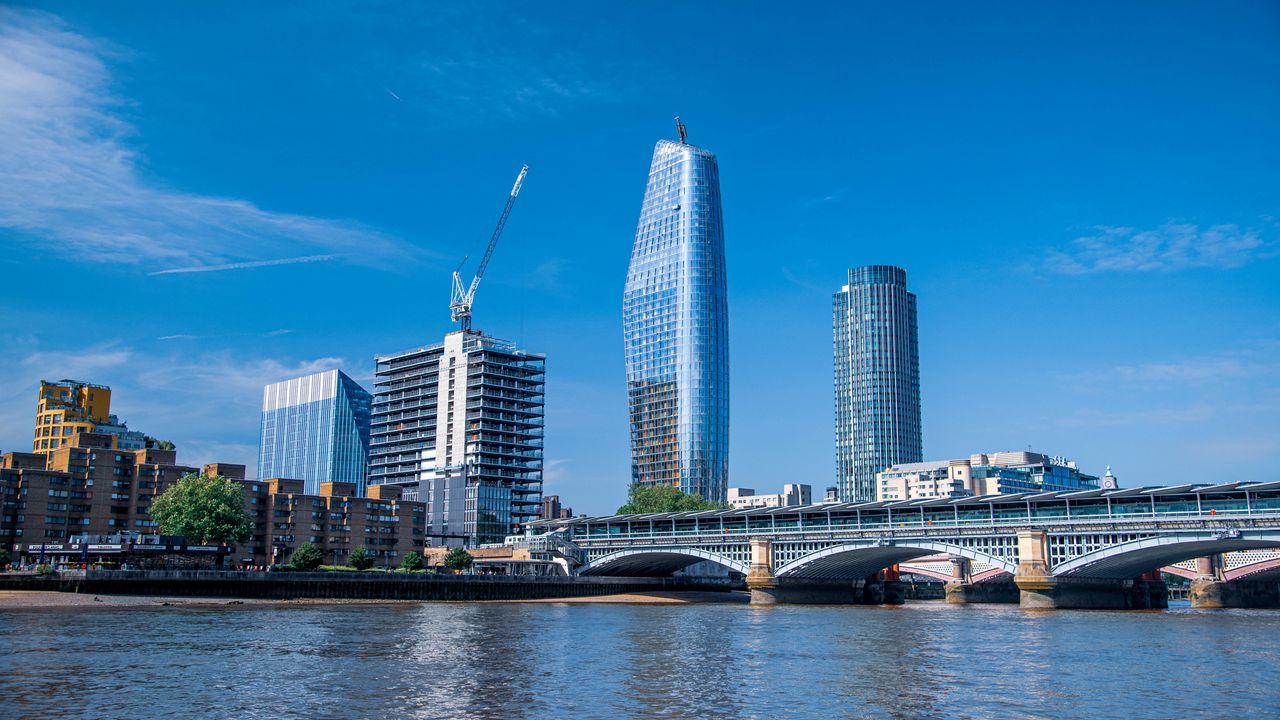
(460, 302)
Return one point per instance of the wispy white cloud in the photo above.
(554, 470)
(79, 364)
(1220, 393)
(70, 180)
(1141, 417)
(491, 80)
(188, 336)
(1190, 370)
(794, 278)
(1250, 364)
(245, 265)
(1173, 246)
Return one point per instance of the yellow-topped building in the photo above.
(67, 407)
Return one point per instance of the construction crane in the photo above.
(461, 299)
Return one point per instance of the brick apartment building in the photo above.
(87, 486)
(84, 486)
(336, 521)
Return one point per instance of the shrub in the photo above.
(458, 559)
(306, 557)
(411, 562)
(360, 558)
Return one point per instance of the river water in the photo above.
(510, 661)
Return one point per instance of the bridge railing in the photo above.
(587, 533)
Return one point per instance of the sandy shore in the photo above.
(30, 599)
(654, 598)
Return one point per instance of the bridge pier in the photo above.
(803, 591)
(962, 590)
(883, 588)
(1041, 589)
(760, 579)
(1211, 590)
(1152, 584)
(989, 592)
(1215, 594)
(1085, 593)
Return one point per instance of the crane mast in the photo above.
(461, 298)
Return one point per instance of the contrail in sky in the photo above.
(391, 93)
(244, 265)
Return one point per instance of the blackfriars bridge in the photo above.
(1092, 548)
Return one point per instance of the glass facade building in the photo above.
(676, 327)
(877, 379)
(316, 429)
(458, 425)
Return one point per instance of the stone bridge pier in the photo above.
(1212, 590)
(883, 588)
(962, 590)
(1039, 588)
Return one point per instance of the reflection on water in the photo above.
(515, 661)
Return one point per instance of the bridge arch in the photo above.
(926, 572)
(859, 559)
(977, 577)
(1130, 559)
(1265, 570)
(656, 561)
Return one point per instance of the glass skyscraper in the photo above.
(676, 327)
(877, 379)
(316, 429)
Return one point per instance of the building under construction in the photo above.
(458, 424)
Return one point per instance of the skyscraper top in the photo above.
(878, 275)
(670, 147)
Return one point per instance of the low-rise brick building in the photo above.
(86, 486)
(336, 521)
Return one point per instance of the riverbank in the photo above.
(35, 599)
(686, 597)
(348, 586)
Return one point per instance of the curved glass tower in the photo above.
(877, 379)
(675, 324)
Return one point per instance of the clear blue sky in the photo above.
(1086, 197)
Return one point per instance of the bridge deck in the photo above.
(1194, 505)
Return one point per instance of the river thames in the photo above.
(512, 660)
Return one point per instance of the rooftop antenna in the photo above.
(681, 129)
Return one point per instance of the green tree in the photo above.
(306, 557)
(664, 498)
(4, 557)
(458, 559)
(411, 562)
(203, 509)
(360, 558)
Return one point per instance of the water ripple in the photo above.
(515, 661)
